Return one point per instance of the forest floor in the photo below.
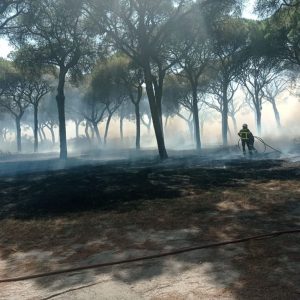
(90, 212)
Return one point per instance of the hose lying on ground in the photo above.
(263, 142)
(267, 145)
(142, 258)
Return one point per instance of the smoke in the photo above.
(177, 133)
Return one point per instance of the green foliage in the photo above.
(223, 8)
(9, 75)
(268, 7)
(282, 32)
(176, 95)
(9, 10)
(54, 32)
(106, 80)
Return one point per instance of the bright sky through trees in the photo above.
(5, 48)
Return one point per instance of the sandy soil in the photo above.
(113, 210)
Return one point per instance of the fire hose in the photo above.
(159, 255)
(263, 142)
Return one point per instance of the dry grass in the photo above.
(210, 210)
(216, 213)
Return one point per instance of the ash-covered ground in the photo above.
(105, 206)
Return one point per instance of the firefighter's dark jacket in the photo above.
(246, 135)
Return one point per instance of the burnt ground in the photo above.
(101, 211)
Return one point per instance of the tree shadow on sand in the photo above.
(106, 213)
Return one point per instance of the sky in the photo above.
(4, 48)
(248, 9)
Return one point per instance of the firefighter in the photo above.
(247, 139)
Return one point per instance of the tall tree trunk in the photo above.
(92, 131)
(258, 120)
(18, 135)
(225, 115)
(77, 123)
(106, 128)
(202, 126)
(35, 129)
(160, 113)
(155, 114)
(234, 124)
(166, 122)
(96, 130)
(191, 129)
(60, 99)
(43, 133)
(229, 132)
(40, 134)
(138, 126)
(149, 124)
(52, 135)
(158, 91)
(276, 114)
(196, 118)
(121, 128)
(86, 130)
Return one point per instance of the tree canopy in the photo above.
(182, 56)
